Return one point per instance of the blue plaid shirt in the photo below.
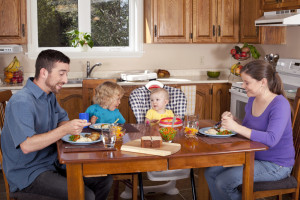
(139, 101)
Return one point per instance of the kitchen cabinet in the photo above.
(70, 99)
(269, 5)
(168, 21)
(250, 11)
(216, 21)
(13, 22)
(187, 21)
(124, 107)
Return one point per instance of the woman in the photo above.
(267, 120)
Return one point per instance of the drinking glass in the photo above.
(109, 139)
(84, 116)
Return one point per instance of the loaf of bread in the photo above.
(146, 142)
(161, 73)
(151, 141)
(156, 141)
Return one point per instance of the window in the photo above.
(115, 26)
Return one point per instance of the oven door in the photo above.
(238, 103)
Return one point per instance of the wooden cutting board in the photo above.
(165, 150)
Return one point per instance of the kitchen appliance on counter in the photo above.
(289, 72)
(138, 76)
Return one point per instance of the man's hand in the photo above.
(75, 126)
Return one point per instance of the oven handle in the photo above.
(238, 93)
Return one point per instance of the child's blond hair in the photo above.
(161, 90)
(105, 92)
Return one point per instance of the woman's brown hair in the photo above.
(105, 92)
(259, 69)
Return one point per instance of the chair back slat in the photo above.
(4, 97)
(296, 135)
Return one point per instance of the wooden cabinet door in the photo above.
(228, 21)
(250, 11)
(13, 22)
(290, 4)
(124, 107)
(70, 99)
(269, 5)
(220, 100)
(204, 21)
(172, 21)
(203, 101)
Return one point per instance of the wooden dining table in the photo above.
(196, 152)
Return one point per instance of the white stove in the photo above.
(289, 72)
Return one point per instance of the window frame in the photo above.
(135, 48)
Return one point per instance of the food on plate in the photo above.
(101, 126)
(221, 131)
(86, 138)
(211, 131)
(151, 141)
(93, 136)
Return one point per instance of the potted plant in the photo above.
(81, 39)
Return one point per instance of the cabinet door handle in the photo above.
(155, 30)
(214, 30)
(23, 30)
(219, 32)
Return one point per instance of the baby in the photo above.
(106, 101)
(159, 98)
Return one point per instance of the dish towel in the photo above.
(190, 94)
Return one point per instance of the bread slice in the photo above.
(156, 141)
(146, 141)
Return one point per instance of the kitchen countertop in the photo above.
(172, 80)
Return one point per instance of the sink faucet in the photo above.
(89, 70)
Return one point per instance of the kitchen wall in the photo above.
(171, 56)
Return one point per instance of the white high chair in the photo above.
(139, 101)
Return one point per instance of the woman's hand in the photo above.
(228, 122)
(93, 119)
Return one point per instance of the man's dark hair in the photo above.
(47, 58)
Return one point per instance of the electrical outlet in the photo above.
(201, 60)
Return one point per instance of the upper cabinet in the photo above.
(186, 21)
(216, 21)
(250, 11)
(168, 21)
(13, 22)
(269, 5)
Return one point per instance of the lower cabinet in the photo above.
(212, 99)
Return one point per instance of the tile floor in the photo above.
(184, 186)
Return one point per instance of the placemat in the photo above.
(67, 147)
(213, 140)
(130, 129)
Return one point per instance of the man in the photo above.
(34, 121)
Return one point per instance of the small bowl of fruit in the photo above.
(190, 131)
(167, 133)
(213, 74)
(119, 131)
(167, 122)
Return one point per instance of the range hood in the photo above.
(280, 18)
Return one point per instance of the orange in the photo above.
(7, 80)
(9, 75)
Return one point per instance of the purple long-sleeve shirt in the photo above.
(274, 129)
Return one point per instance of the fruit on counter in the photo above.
(161, 73)
(13, 66)
(244, 52)
(13, 73)
(236, 68)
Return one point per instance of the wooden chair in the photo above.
(131, 180)
(4, 97)
(291, 184)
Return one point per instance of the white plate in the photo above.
(98, 126)
(202, 131)
(66, 138)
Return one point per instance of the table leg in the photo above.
(193, 184)
(203, 190)
(75, 182)
(141, 186)
(248, 176)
